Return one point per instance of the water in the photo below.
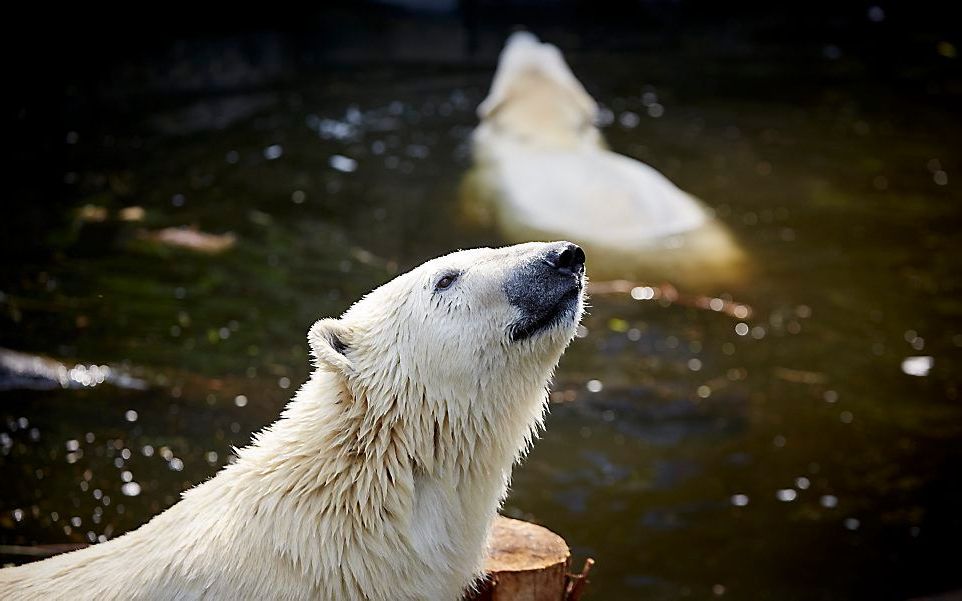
(691, 452)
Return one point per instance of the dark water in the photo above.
(691, 453)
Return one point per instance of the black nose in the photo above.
(567, 258)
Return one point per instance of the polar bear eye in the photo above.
(445, 281)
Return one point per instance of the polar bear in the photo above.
(383, 474)
(542, 170)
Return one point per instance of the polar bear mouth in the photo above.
(562, 311)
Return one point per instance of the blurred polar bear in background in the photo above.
(542, 171)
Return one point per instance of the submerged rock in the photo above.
(191, 239)
(90, 213)
(132, 213)
(542, 171)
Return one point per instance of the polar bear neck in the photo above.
(356, 466)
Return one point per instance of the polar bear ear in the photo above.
(330, 343)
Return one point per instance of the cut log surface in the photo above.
(525, 562)
(516, 546)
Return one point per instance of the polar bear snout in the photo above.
(547, 290)
(566, 258)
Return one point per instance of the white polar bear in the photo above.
(385, 471)
(542, 170)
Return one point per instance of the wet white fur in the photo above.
(543, 162)
(382, 476)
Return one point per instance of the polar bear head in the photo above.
(473, 335)
(535, 100)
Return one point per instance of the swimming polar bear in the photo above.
(542, 171)
(384, 473)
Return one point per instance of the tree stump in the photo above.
(526, 562)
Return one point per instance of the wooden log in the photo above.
(526, 562)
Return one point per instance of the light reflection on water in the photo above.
(764, 440)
